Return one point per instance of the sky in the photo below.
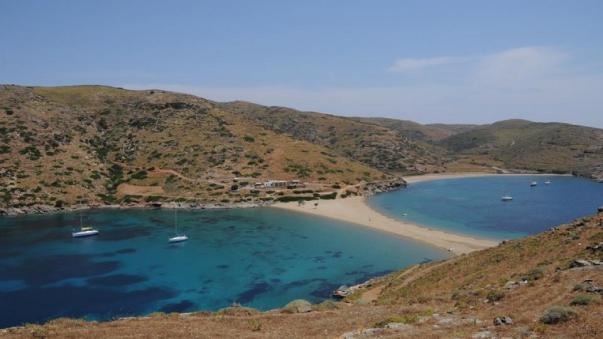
(427, 61)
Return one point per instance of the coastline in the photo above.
(411, 179)
(356, 210)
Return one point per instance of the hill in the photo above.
(94, 145)
(101, 145)
(377, 146)
(543, 147)
(547, 285)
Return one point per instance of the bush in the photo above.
(585, 299)
(557, 314)
(493, 296)
(288, 198)
(534, 274)
(329, 196)
(140, 175)
(249, 138)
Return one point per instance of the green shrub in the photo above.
(557, 314)
(288, 198)
(585, 299)
(534, 274)
(139, 175)
(249, 138)
(493, 296)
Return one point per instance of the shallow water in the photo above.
(473, 205)
(258, 257)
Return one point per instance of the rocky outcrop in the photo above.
(384, 186)
(298, 306)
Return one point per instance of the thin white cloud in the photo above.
(520, 65)
(411, 64)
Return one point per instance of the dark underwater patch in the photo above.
(324, 290)
(54, 268)
(255, 290)
(116, 280)
(184, 305)
(18, 306)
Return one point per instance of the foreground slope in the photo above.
(547, 285)
(102, 145)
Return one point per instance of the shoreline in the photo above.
(412, 179)
(357, 211)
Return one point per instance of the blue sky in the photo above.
(428, 61)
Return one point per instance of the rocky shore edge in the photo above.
(49, 209)
(369, 189)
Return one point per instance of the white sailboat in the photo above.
(85, 231)
(506, 198)
(548, 182)
(533, 183)
(177, 237)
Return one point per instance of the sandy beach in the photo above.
(356, 210)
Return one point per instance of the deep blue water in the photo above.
(473, 205)
(259, 257)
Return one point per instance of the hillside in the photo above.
(377, 146)
(543, 147)
(101, 145)
(93, 145)
(426, 133)
(547, 285)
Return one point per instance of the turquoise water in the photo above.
(259, 257)
(473, 206)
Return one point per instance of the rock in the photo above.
(298, 306)
(503, 321)
(511, 285)
(482, 335)
(369, 332)
(596, 247)
(596, 262)
(399, 326)
(580, 263)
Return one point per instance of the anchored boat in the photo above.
(85, 231)
(177, 237)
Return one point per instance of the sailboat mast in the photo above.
(176, 220)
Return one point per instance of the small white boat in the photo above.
(85, 231)
(506, 198)
(177, 237)
(548, 182)
(533, 183)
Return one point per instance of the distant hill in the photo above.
(419, 132)
(521, 144)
